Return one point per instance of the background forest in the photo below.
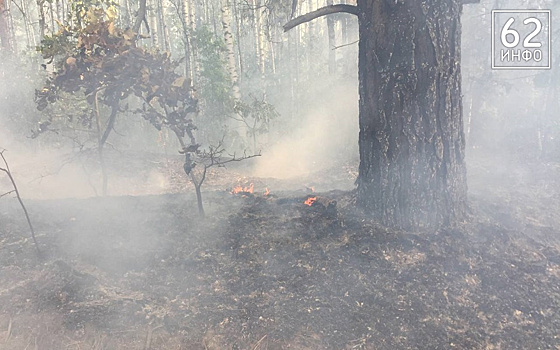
(292, 95)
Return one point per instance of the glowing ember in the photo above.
(266, 191)
(310, 201)
(240, 189)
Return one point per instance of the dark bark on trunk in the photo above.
(412, 145)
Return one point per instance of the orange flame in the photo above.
(310, 201)
(240, 189)
(266, 192)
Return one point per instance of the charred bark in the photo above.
(412, 145)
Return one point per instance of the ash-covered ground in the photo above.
(270, 272)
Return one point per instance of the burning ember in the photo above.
(309, 201)
(266, 191)
(240, 189)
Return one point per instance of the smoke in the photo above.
(325, 134)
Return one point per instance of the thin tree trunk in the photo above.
(199, 202)
(255, 6)
(42, 23)
(228, 39)
(100, 155)
(102, 139)
(412, 145)
(332, 41)
(152, 15)
(51, 10)
(261, 39)
(11, 26)
(186, 39)
(140, 16)
(58, 12)
(310, 43)
(238, 35)
(163, 25)
(192, 21)
(128, 13)
(29, 28)
(26, 26)
(5, 41)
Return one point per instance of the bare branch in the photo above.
(7, 193)
(323, 11)
(344, 45)
(8, 172)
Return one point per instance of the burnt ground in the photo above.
(145, 272)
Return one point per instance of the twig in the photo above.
(9, 332)
(7, 193)
(259, 342)
(344, 45)
(9, 173)
(148, 343)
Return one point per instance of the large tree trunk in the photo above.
(412, 171)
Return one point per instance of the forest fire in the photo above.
(242, 190)
(427, 164)
(309, 201)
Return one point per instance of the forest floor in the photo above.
(269, 272)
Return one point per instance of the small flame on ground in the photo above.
(266, 191)
(240, 189)
(309, 201)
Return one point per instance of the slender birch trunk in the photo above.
(42, 23)
(192, 23)
(238, 24)
(51, 11)
(152, 19)
(228, 39)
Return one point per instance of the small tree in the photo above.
(256, 117)
(103, 64)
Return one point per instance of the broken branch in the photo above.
(323, 11)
